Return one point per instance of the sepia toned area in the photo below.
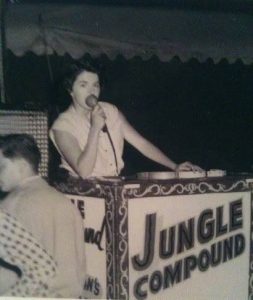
(161, 207)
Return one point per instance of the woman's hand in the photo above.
(188, 166)
(98, 118)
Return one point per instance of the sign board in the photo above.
(171, 240)
(189, 246)
(93, 211)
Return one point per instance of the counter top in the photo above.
(134, 187)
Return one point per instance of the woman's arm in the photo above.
(151, 151)
(81, 161)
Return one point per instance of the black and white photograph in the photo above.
(126, 149)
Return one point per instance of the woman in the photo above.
(90, 135)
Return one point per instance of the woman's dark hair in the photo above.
(77, 68)
(21, 146)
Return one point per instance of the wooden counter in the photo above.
(160, 239)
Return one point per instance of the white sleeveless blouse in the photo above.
(105, 165)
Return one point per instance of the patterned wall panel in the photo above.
(34, 123)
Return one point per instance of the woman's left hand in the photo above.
(188, 166)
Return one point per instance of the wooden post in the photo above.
(2, 51)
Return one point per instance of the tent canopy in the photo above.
(129, 31)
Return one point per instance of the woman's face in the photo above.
(86, 84)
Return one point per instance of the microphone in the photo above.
(92, 101)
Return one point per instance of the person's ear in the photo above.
(23, 165)
(71, 93)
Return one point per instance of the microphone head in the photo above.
(91, 101)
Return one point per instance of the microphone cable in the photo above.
(105, 129)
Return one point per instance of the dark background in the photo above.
(194, 111)
(245, 6)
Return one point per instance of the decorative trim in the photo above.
(77, 187)
(122, 241)
(110, 241)
(116, 242)
(185, 189)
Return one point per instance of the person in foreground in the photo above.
(19, 248)
(90, 135)
(50, 217)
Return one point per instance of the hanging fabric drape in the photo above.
(130, 31)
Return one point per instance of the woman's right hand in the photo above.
(98, 118)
